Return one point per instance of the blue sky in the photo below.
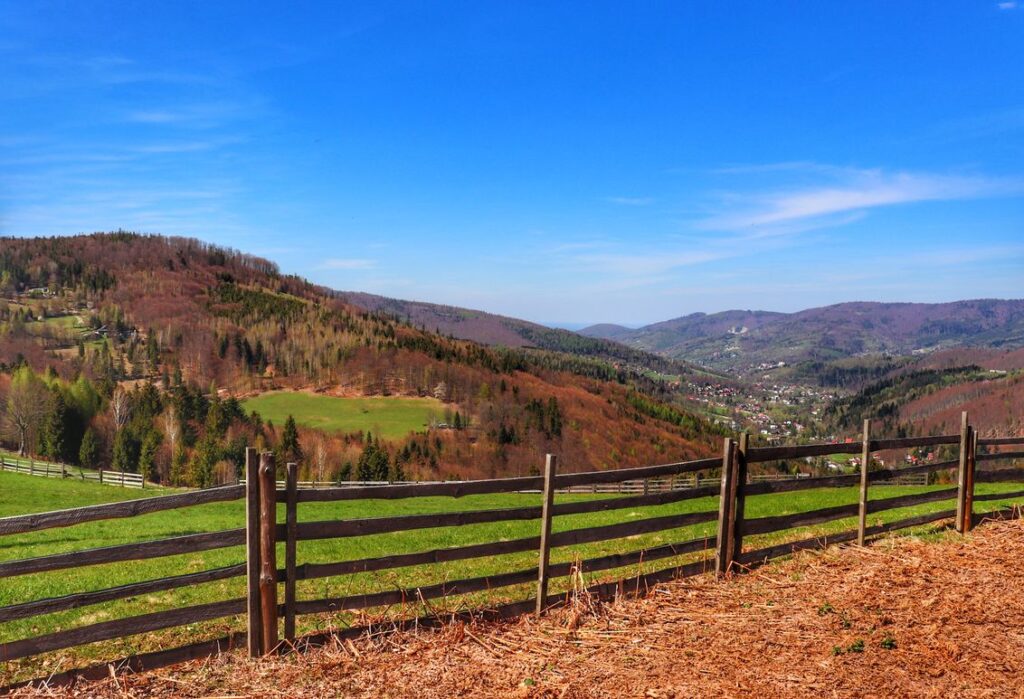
(570, 162)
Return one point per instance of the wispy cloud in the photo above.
(847, 193)
(1007, 5)
(631, 201)
(200, 115)
(347, 263)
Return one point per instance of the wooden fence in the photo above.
(261, 533)
(46, 469)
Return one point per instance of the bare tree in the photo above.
(320, 455)
(26, 407)
(120, 407)
(172, 428)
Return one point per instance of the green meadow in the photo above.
(388, 417)
(21, 494)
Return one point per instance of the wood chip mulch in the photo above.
(902, 618)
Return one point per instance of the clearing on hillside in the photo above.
(904, 617)
(389, 417)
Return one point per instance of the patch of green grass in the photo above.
(388, 417)
(23, 494)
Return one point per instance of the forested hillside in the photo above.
(134, 351)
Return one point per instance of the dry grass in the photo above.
(904, 617)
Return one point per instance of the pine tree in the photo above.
(89, 452)
(55, 429)
(147, 455)
(290, 449)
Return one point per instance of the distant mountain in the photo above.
(498, 330)
(740, 341)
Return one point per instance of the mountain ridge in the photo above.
(739, 341)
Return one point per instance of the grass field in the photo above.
(22, 494)
(390, 417)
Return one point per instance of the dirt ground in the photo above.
(902, 618)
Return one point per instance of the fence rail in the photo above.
(46, 469)
(623, 489)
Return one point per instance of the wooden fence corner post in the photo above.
(865, 461)
(723, 540)
(252, 552)
(550, 466)
(740, 497)
(291, 526)
(961, 493)
(268, 552)
(972, 458)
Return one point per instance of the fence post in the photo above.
(865, 459)
(725, 508)
(972, 457)
(550, 466)
(101, 474)
(268, 552)
(291, 526)
(740, 487)
(961, 493)
(252, 551)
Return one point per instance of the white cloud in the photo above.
(848, 193)
(347, 263)
(1007, 5)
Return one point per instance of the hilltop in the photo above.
(208, 326)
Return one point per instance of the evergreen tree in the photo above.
(89, 452)
(555, 417)
(290, 449)
(147, 455)
(200, 469)
(54, 436)
(126, 451)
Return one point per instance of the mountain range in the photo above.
(740, 341)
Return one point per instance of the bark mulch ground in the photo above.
(903, 617)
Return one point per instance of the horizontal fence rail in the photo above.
(634, 490)
(47, 469)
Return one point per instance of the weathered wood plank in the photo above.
(740, 507)
(268, 554)
(972, 452)
(291, 521)
(766, 525)
(118, 628)
(999, 496)
(337, 529)
(761, 454)
(1002, 475)
(726, 501)
(632, 528)
(965, 446)
(911, 442)
(116, 510)
(83, 599)
(254, 640)
(309, 571)
(550, 466)
(1000, 441)
(188, 543)
(501, 485)
(1001, 456)
(865, 462)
